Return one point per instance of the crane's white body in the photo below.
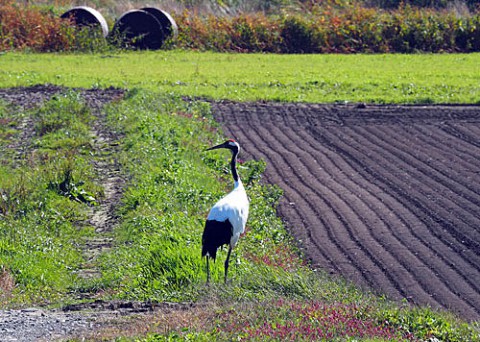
(232, 207)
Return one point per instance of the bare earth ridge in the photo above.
(386, 196)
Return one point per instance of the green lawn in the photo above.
(421, 78)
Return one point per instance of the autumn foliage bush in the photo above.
(28, 27)
(350, 30)
(325, 28)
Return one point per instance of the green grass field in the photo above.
(156, 254)
(414, 79)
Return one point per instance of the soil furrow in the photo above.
(393, 186)
(411, 198)
(428, 281)
(441, 153)
(393, 169)
(409, 229)
(295, 198)
(354, 206)
(346, 240)
(411, 258)
(407, 219)
(460, 288)
(292, 205)
(452, 161)
(450, 207)
(468, 134)
(464, 151)
(461, 180)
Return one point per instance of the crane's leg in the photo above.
(227, 261)
(208, 270)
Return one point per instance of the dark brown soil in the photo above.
(387, 197)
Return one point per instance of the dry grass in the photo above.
(164, 321)
(112, 9)
(7, 285)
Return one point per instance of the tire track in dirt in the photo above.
(390, 192)
(41, 324)
(104, 147)
(102, 217)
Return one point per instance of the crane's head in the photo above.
(230, 144)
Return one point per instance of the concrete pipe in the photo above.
(86, 16)
(138, 29)
(169, 26)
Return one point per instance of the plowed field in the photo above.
(386, 196)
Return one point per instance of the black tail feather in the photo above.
(215, 235)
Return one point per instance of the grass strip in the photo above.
(394, 78)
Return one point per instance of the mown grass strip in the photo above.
(417, 79)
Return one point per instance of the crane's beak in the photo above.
(218, 146)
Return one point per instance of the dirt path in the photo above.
(386, 196)
(107, 168)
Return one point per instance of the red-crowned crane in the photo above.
(226, 220)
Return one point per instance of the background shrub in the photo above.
(327, 29)
(28, 27)
(283, 27)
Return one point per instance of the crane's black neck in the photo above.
(233, 164)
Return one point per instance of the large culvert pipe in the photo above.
(86, 16)
(138, 29)
(169, 26)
